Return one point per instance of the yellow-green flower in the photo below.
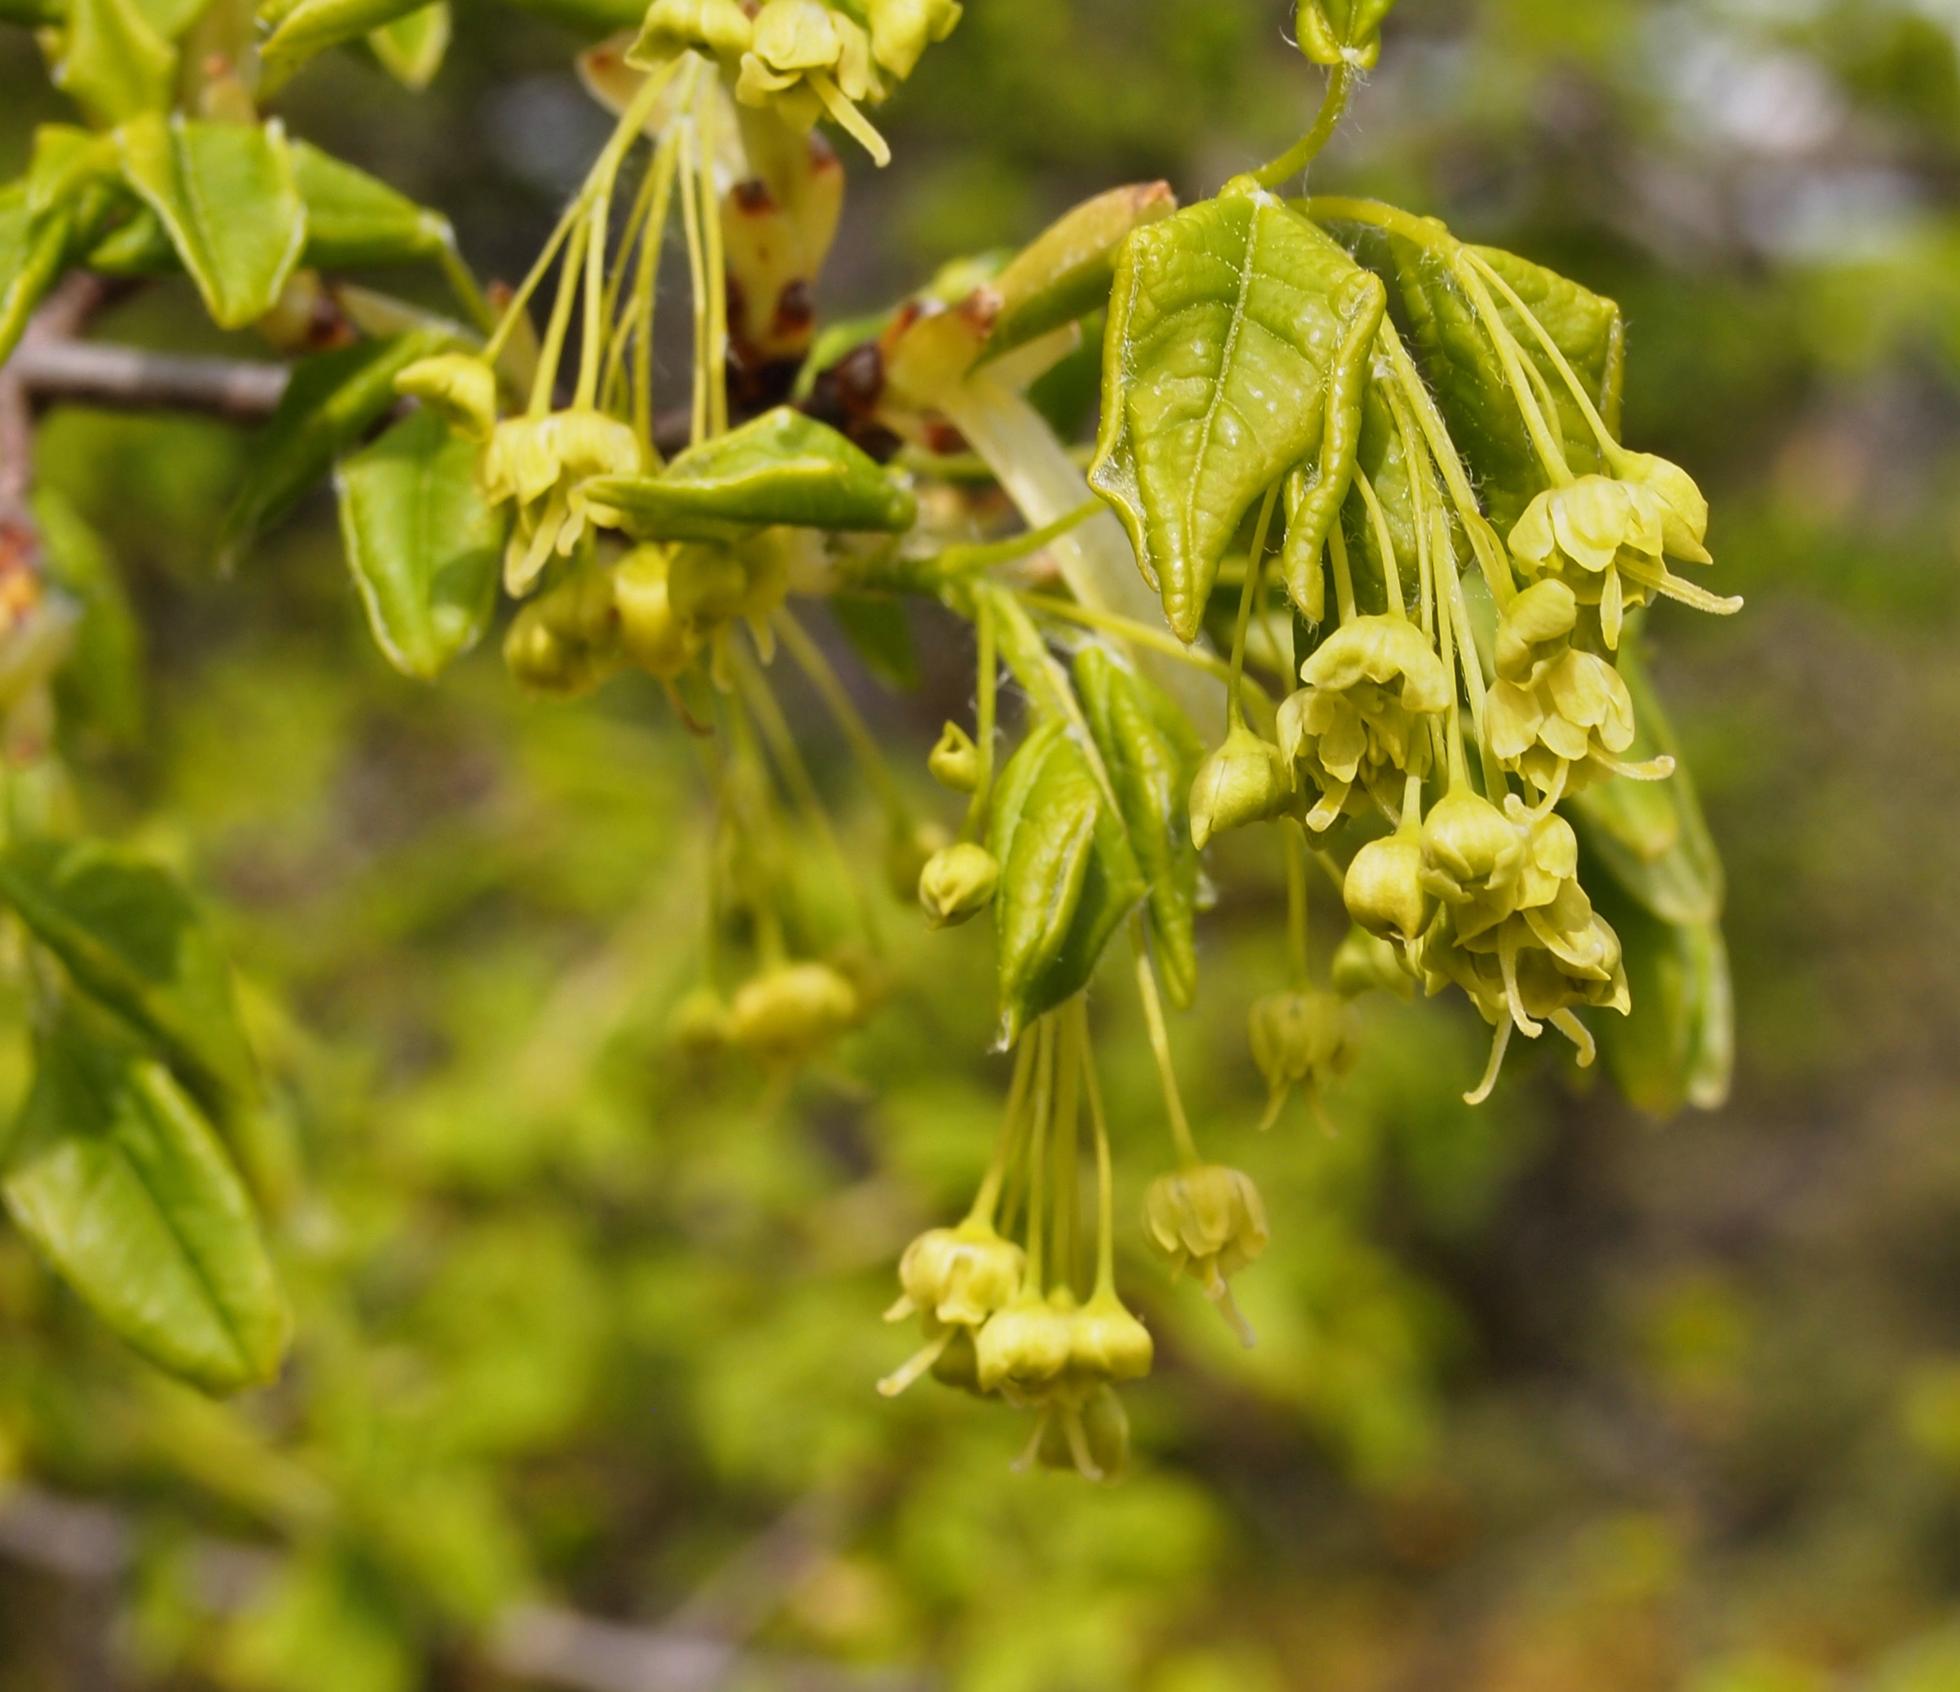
(1210, 1220)
(1361, 717)
(1300, 1039)
(1608, 538)
(537, 464)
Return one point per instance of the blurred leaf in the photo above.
(424, 547)
(333, 399)
(880, 634)
(114, 62)
(101, 685)
(353, 218)
(1229, 322)
(226, 194)
(313, 26)
(131, 938)
(413, 47)
(1676, 1046)
(122, 1184)
(784, 467)
(32, 250)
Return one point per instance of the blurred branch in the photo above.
(56, 370)
(540, 1644)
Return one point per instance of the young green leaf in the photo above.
(1651, 836)
(114, 62)
(32, 252)
(353, 218)
(1228, 324)
(424, 547)
(226, 194)
(411, 49)
(1150, 751)
(120, 1181)
(333, 400)
(784, 467)
(1065, 272)
(1068, 875)
(1477, 401)
(133, 940)
(313, 26)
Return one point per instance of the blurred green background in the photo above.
(1549, 1398)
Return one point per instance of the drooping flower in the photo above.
(1608, 540)
(1300, 1039)
(537, 464)
(1210, 1220)
(1360, 719)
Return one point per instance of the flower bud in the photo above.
(1244, 780)
(1209, 1219)
(1092, 1438)
(1108, 1343)
(462, 388)
(958, 1275)
(1299, 1039)
(1384, 889)
(650, 634)
(790, 1012)
(1534, 627)
(909, 847)
(958, 883)
(1469, 848)
(955, 760)
(699, 1023)
(1023, 1348)
(1364, 962)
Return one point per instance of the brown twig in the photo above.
(50, 371)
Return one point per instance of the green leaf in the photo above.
(1651, 836)
(1150, 753)
(353, 218)
(1476, 400)
(880, 634)
(32, 253)
(1068, 875)
(412, 48)
(121, 1183)
(784, 467)
(424, 547)
(131, 938)
(226, 194)
(1065, 272)
(333, 400)
(313, 26)
(100, 687)
(114, 62)
(1228, 324)
(1676, 1047)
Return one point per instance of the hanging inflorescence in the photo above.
(1359, 555)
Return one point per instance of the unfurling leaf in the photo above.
(1150, 752)
(424, 546)
(133, 940)
(784, 467)
(1065, 272)
(122, 1184)
(226, 194)
(332, 400)
(1068, 875)
(1476, 399)
(1228, 324)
